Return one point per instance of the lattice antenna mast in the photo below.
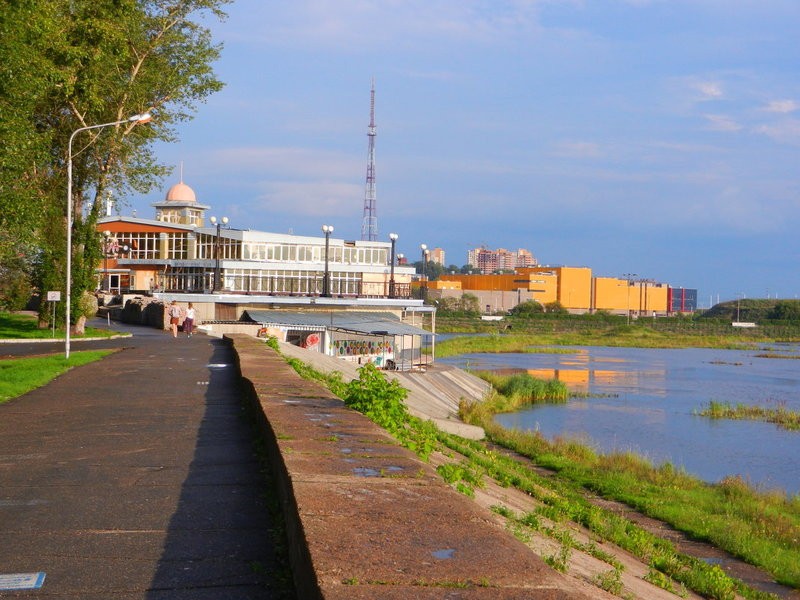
(369, 225)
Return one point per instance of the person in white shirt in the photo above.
(188, 322)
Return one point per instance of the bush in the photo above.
(87, 305)
(527, 309)
(377, 398)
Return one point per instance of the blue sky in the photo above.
(657, 137)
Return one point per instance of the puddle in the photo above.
(444, 554)
(366, 472)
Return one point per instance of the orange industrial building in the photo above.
(573, 287)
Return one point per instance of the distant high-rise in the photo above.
(488, 261)
(369, 224)
(437, 256)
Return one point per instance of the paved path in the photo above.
(136, 477)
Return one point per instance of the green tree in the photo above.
(555, 308)
(68, 64)
(527, 309)
(433, 270)
(786, 310)
(470, 304)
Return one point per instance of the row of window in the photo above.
(259, 281)
(147, 246)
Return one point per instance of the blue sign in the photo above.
(21, 581)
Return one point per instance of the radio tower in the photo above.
(369, 225)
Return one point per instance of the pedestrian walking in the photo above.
(174, 313)
(188, 322)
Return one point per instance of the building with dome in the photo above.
(187, 252)
(180, 206)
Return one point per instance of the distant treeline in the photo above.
(775, 319)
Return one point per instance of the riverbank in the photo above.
(571, 549)
(552, 342)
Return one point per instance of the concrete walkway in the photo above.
(136, 477)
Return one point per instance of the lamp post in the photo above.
(629, 277)
(135, 119)
(393, 239)
(218, 223)
(738, 305)
(106, 282)
(424, 283)
(326, 284)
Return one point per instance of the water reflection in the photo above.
(644, 400)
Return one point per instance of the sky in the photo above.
(655, 137)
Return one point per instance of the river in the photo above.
(644, 400)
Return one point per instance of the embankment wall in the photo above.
(365, 517)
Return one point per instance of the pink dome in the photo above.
(180, 192)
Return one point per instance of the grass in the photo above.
(521, 389)
(19, 376)
(788, 419)
(622, 336)
(25, 327)
(762, 528)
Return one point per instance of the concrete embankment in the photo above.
(365, 517)
(432, 395)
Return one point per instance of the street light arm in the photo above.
(141, 118)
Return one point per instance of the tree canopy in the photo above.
(69, 64)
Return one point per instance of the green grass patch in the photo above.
(761, 528)
(788, 419)
(21, 375)
(621, 336)
(25, 327)
(522, 389)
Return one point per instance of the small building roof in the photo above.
(370, 323)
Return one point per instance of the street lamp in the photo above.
(135, 119)
(326, 284)
(106, 237)
(220, 223)
(393, 239)
(424, 284)
(629, 277)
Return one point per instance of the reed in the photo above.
(781, 416)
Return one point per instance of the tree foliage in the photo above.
(786, 310)
(465, 305)
(69, 64)
(527, 309)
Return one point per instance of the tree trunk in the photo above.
(80, 326)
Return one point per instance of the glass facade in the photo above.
(185, 259)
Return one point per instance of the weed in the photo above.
(610, 581)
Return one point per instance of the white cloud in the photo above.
(708, 90)
(309, 199)
(784, 132)
(353, 23)
(295, 162)
(578, 149)
(722, 123)
(782, 106)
